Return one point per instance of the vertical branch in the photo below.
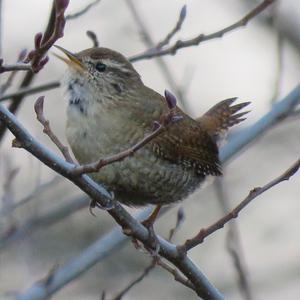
(37, 57)
(279, 53)
(233, 244)
(160, 62)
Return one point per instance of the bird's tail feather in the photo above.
(221, 117)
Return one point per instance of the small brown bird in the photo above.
(110, 110)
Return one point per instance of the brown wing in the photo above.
(187, 143)
(193, 143)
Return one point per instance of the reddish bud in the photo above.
(37, 40)
(182, 13)
(170, 99)
(44, 61)
(39, 105)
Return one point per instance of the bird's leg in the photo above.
(149, 223)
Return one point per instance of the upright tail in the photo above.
(221, 117)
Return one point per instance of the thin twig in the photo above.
(14, 67)
(145, 273)
(49, 32)
(82, 11)
(171, 50)
(177, 28)
(31, 90)
(12, 75)
(8, 195)
(157, 261)
(39, 110)
(279, 54)
(205, 232)
(179, 220)
(100, 249)
(167, 120)
(201, 285)
(43, 42)
(150, 43)
(233, 244)
(37, 58)
(43, 221)
(177, 276)
(37, 191)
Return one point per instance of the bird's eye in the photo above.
(100, 67)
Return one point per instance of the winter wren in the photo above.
(110, 110)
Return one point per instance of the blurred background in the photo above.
(258, 63)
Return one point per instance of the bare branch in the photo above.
(177, 276)
(82, 11)
(32, 90)
(145, 273)
(53, 31)
(179, 220)
(43, 220)
(12, 75)
(106, 245)
(177, 28)
(39, 110)
(233, 243)
(279, 53)
(100, 195)
(37, 191)
(150, 43)
(43, 43)
(171, 50)
(205, 232)
(15, 67)
(36, 59)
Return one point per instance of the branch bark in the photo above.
(115, 239)
(98, 193)
(172, 50)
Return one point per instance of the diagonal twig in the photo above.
(133, 283)
(176, 28)
(39, 110)
(180, 217)
(37, 191)
(233, 244)
(180, 44)
(177, 276)
(254, 193)
(114, 240)
(31, 90)
(57, 11)
(98, 193)
(151, 44)
(82, 11)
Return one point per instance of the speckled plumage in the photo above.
(112, 110)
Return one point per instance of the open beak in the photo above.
(71, 59)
